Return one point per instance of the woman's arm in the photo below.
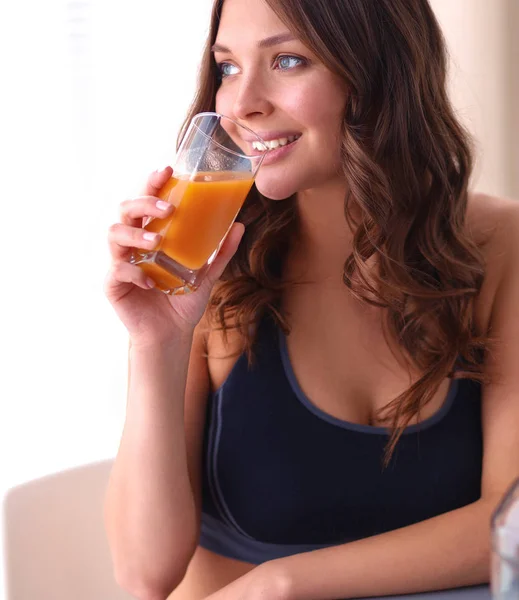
(151, 508)
(447, 551)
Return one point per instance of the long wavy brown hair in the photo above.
(407, 161)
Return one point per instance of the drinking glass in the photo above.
(505, 547)
(213, 172)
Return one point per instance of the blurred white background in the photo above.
(93, 94)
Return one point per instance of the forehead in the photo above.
(246, 20)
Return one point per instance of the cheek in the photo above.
(224, 102)
(318, 107)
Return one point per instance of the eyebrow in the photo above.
(266, 43)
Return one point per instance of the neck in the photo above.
(325, 239)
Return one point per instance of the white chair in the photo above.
(55, 546)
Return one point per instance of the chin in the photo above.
(275, 189)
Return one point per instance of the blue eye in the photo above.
(289, 62)
(285, 62)
(226, 69)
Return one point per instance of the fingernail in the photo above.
(163, 205)
(150, 283)
(149, 237)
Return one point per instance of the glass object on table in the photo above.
(505, 547)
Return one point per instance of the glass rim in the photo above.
(220, 116)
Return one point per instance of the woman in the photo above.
(363, 449)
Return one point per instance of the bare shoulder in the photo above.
(488, 217)
(493, 223)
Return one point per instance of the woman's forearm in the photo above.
(447, 551)
(149, 511)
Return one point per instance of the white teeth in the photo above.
(273, 144)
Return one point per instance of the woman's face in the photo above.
(279, 89)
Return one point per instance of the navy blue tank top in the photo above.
(280, 476)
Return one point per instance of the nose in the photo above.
(252, 99)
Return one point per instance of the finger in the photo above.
(132, 212)
(126, 273)
(156, 181)
(123, 239)
(227, 251)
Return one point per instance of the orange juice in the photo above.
(206, 205)
(164, 280)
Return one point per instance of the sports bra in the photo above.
(280, 476)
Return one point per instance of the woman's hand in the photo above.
(264, 582)
(149, 315)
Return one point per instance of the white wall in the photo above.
(95, 94)
(484, 80)
(88, 120)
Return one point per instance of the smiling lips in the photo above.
(274, 143)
